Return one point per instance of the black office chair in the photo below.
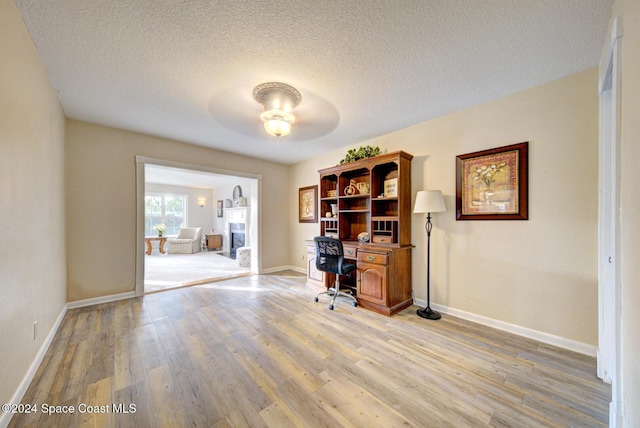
(330, 258)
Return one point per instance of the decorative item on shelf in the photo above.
(228, 203)
(328, 214)
(361, 153)
(351, 189)
(363, 187)
(334, 210)
(242, 202)
(391, 188)
(278, 100)
(363, 237)
(429, 201)
(331, 193)
(160, 228)
(237, 194)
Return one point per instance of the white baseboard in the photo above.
(281, 268)
(550, 339)
(102, 299)
(5, 418)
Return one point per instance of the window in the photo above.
(167, 209)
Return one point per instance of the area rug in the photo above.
(163, 271)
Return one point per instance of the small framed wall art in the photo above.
(219, 206)
(391, 188)
(493, 184)
(308, 204)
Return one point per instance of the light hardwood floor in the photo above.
(257, 351)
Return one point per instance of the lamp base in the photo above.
(429, 313)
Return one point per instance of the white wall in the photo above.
(540, 274)
(630, 206)
(32, 228)
(226, 192)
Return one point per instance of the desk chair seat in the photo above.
(330, 259)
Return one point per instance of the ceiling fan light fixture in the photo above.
(278, 100)
(277, 122)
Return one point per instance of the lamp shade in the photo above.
(429, 201)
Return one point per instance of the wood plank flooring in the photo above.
(257, 351)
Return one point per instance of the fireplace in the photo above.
(237, 234)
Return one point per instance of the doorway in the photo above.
(609, 294)
(208, 198)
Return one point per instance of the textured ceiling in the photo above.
(185, 69)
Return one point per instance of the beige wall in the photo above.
(32, 241)
(630, 206)
(101, 203)
(541, 273)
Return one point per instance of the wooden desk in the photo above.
(382, 281)
(214, 242)
(148, 240)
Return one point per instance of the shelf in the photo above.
(365, 195)
(385, 218)
(353, 211)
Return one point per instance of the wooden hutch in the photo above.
(373, 196)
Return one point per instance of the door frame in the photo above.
(609, 275)
(255, 212)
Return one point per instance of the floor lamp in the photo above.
(429, 201)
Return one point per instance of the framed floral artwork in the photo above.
(308, 204)
(493, 184)
(219, 208)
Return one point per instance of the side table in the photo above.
(148, 240)
(214, 242)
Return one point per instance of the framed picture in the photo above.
(493, 184)
(219, 206)
(391, 188)
(308, 204)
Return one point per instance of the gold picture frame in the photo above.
(308, 204)
(493, 184)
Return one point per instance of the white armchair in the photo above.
(188, 241)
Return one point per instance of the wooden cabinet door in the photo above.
(372, 283)
(315, 278)
(312, 271)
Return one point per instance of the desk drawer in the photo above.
(349, 251)
(380, 259)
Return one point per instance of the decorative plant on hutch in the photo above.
(362, 153)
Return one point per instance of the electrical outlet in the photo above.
(35, 330)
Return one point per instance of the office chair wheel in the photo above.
(330, 307)
(315, 299)
(355, 304)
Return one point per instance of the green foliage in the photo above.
(362, 153)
